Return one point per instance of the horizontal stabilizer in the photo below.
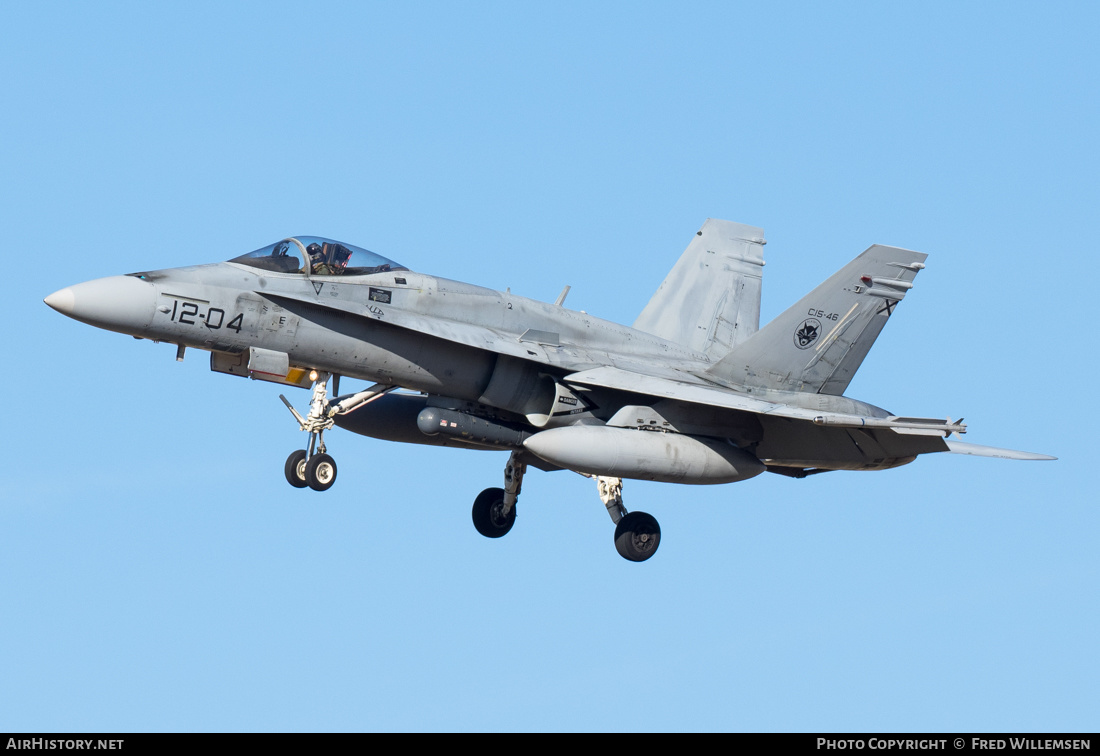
(976, 450)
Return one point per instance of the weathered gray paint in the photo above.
(692, 377)
(710, 301)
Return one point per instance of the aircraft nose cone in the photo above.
(119, 303)
(63, 301)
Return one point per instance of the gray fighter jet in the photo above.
(694, 392)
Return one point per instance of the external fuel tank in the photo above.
(644, 455)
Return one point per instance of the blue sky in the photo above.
(156, 571)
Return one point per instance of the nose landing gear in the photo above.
(313, 467)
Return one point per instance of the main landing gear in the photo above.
(495, 508)
(313, 467)
(637, 534)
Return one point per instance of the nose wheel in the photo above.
(317, 472)
(295, 469)
(320, 472)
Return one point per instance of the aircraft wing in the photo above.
(888, 430)
(818, 429)
(786, 436)
(622, 380)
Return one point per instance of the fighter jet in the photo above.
(693, 392)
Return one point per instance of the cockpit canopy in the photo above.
(317, 256)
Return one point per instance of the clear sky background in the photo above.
(157, 572)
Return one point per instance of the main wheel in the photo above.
(320, 472)
(295, 469)
(489, 517)
(637, 536)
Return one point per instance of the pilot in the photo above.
(317, 263)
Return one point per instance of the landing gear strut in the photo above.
(312, 466)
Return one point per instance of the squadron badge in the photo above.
(807, 333)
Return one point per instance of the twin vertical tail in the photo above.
(817, 345)
(710, 301)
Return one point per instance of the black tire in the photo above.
(295, 469)
(489, 517)
(637, 536)
(320, 472)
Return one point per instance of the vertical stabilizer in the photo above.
(710, 301)
(818, 344)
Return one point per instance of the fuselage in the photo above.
(417, 331)
(506, 356)
(350, 325)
